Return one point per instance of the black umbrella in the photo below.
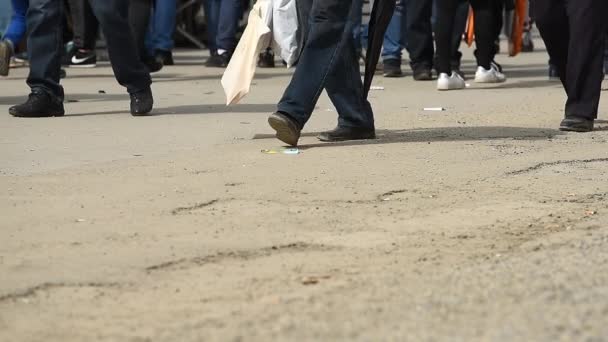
(382, 12)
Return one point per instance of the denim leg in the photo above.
(17, 27)
(212, 13)
(358, 25)
(345, 89)
(45, 42)
(230, 12)
(130, 72)
(328, 60)
(164, 24)
(395, 37)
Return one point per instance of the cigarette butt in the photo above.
(434, 109)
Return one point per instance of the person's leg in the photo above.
(460, 23)
(485, 24)
(212, 12)
(420, 36)
(394, 38)
(229, 15)
(139, 17)
(328, 36)
(14, 34)
(552, 22)
(45, 42)
(164, 25)
(17, 27)
(345, 88)
(128, 68)
(587, 22)
(443, 34)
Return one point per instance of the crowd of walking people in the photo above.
(139, 35)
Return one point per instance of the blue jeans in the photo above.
(222, 22)
(395, 39)
(329, 61)
(17, 28)
(162, 26)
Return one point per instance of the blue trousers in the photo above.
(222, 22)
(162, 26)
(17, 28)
(328, 61)
(395, 39)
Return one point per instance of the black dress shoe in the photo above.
(266, 59)
(392, 68)
(164, 57)
(218, 61)
(288, 130)
(576, 124)
(423, 74)
(348, 133)
(153, 64)
(38, 105)
(142, 102)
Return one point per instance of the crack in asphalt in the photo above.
(241, 255)
(559, 162)
(31, 291)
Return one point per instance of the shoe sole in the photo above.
(5, 59)
(284, 131)
(59, 114)
(369, 137)
(82, 66)
(574, 129)
(393, 75)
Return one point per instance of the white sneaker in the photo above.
(489, 76)
(445, 82)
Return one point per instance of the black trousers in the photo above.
(487, 15)
(139, 17)
(420, 33)
(574, 32)
(86, 26)
(45, 44)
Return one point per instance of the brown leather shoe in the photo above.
(348, 133)
(288, 131)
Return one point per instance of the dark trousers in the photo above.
(222, 23)
(85, 25)
(420, 33)
(329, 61)
(140, 12)
(487, 14)
(574, 33)
(45, 45)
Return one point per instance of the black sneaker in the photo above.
(164, 57)
(392, 68)
(84, 59)
(38, 105)
(6, 51)
(218, 61)
(423, 74)
(576, 124)
(266, 59)
(142, 102)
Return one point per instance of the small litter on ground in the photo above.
(376, 88)
(434, 109)
(282, 150)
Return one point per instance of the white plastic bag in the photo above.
(285, 30)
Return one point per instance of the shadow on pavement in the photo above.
(441, 134)
(259, 108)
